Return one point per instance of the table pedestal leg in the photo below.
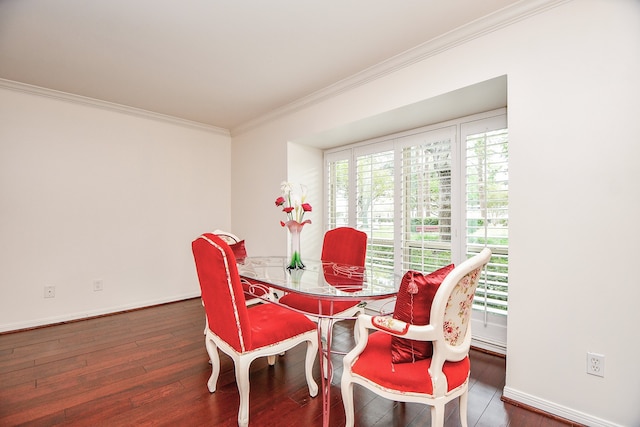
(326, 366)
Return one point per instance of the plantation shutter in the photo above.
(337, 188)
(486, 222)
(487, 186)
(426, 198)
(375, 203)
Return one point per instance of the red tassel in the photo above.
(412, 288)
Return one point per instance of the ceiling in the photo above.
(222, 63)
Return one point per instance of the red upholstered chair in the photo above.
(244, 333)
(342, 245)
(433, 381)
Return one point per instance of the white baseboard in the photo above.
(87, 314)
(484, 344)
(555, 409)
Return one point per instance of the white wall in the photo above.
(574, 199)
(87, 193)
(305, 167)
(261, 161)
(259, 165)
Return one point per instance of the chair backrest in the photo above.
(228, 238)
(345, 245)
(222, 293)
(234, 242)
(451, 308)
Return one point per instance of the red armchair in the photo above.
(433, 381)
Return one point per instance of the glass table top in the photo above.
(322, 279)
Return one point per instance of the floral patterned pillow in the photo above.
(413, 305)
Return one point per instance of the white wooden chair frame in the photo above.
(242, 362)
(242, 359)
(443, 351)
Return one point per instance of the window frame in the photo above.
(489, 330)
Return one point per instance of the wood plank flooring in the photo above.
(149, 367)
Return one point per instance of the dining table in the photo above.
(268, 277)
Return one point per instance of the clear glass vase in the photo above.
(295, 259)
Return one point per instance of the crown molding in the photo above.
(475, 29)
(105, 105)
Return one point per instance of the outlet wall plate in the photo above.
(595, 364)
(49, 291)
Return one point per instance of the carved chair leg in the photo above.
(214, 359)
(242, 380)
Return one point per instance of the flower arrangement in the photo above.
(294, 205)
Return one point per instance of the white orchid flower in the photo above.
(285, 188)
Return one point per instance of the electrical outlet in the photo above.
(595, 364)
(49, 291)
(98, 285)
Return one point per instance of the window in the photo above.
(430, 197)
(426, 198)
(375, 206)
(338, 192)
(487, 185)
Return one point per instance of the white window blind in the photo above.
(487, 201)
(337, 185)
(375, 205)
(425, 205)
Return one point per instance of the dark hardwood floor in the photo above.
(150, 367)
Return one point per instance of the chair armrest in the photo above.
(397, 327)
(389, 324)
(365, 322)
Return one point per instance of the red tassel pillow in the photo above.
(413, 305)
(239, 251)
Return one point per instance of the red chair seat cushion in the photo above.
(413, 305)
(271, 324)
(311, 305)
(375, 364)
